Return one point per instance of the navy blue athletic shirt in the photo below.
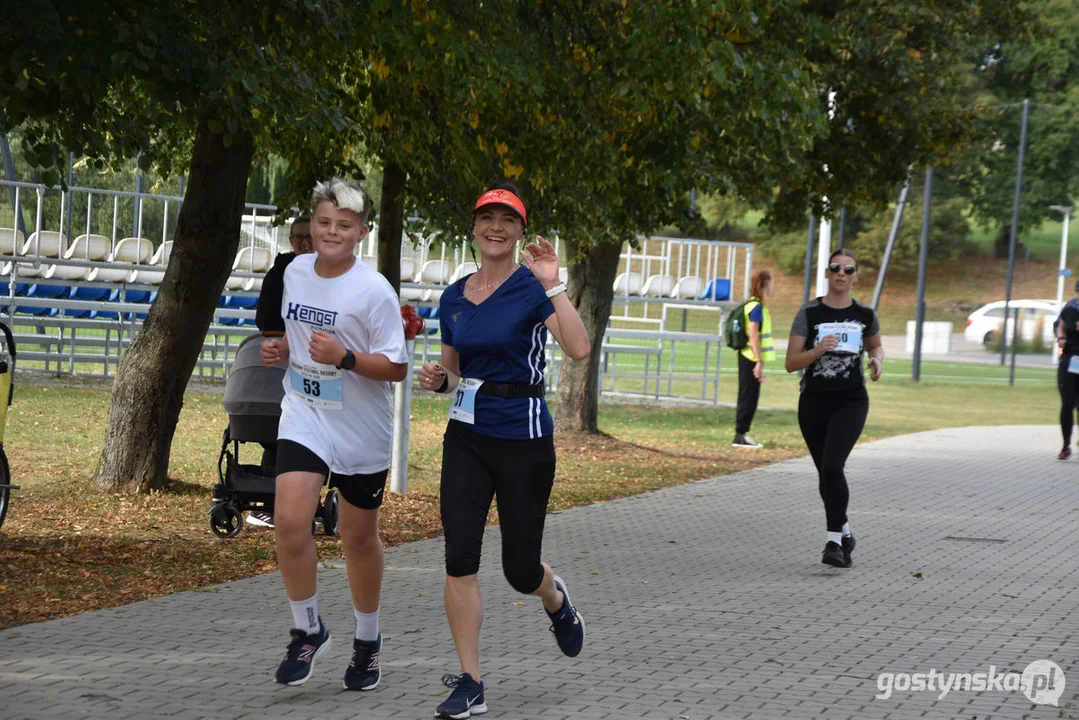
(502, 340)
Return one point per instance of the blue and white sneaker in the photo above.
(363, 672)
(567, 624)
(303, 650)
(466, 699)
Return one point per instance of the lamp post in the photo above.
(1063, 271)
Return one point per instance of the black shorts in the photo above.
(363, 491)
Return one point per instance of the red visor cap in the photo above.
(502, 197)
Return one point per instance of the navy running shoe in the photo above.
(833, 555)
(363, 672)
(848, 548)
(567, 624)
(466, 699)
(303, 650)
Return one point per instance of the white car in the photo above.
(985, 323)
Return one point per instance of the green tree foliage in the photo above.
(1040, 66)
(949, 229)
(197, 86)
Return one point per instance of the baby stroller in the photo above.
(7, 389)
(253, 402)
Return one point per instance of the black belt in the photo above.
(512, 390)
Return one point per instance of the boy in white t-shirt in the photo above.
(344, 343)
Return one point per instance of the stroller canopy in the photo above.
(253, 394)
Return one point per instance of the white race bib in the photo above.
(1073, 364)
(464, 401)
(849, 334)
(320, 386)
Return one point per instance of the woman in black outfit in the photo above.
(827, 340)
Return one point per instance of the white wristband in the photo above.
(556, 290)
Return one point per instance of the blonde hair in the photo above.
(344, 194)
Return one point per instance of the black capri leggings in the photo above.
(831, 423)
(1068, 384)
(520, 473)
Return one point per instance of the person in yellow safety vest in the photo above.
(751, 358)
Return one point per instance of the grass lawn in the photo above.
(68, 548)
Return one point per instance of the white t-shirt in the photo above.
(344, 418)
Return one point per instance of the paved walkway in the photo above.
(706, 600)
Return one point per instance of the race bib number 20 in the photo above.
(317, 385)
(849, 334)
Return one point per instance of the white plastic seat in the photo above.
(156, 273)
(436, 272)
(658, 286)
(689, 286)
(47, 244)
(65, 272)
(252, 259)
(408, 269)
(137, 251)
(110, 275)
(627, 283)
(465, 268)
(11, 241)
(370, 261)
(89, 247)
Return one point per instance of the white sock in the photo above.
(836, 537)
(366, 625)
(846, 529)
(305, 614)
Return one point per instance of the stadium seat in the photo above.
(11, 241)
(248, 260)
(370, 261)
(45, 290)
(627, 283)
(408, 272)
(47, 244)
(658, 286)
(718, 289)
(688, 287)
(84, 292)
(159, 261)
(94, 248)
(135, 251)
(464, 269)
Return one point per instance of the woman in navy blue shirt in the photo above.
(498, 441)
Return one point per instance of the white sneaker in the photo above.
(746, 442)
(260, 519)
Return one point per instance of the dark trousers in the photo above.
(1068, 384)
(749, 393)
(831, 423)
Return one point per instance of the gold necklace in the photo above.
(495, 284)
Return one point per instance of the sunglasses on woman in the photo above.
(834, 268)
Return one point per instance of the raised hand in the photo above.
(540, 257)
(272, 353)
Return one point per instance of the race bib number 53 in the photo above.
(849, 334)
(316, 385)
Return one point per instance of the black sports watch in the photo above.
(348, 361)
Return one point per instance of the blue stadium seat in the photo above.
(239, 301)
(717, 289)
(139, 296)
(43, 290)
(94, 293)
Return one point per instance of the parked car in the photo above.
(985, 324)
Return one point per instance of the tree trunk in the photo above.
(591, 290)
(149, 388)
(391, 223)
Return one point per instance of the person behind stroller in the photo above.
(271, 324)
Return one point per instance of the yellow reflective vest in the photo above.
(768, 349)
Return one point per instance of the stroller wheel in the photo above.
(225, 520)
(330, 510)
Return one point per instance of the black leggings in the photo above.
(749, 394)
(520, 473)
(1068, 384)
(831, 423)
